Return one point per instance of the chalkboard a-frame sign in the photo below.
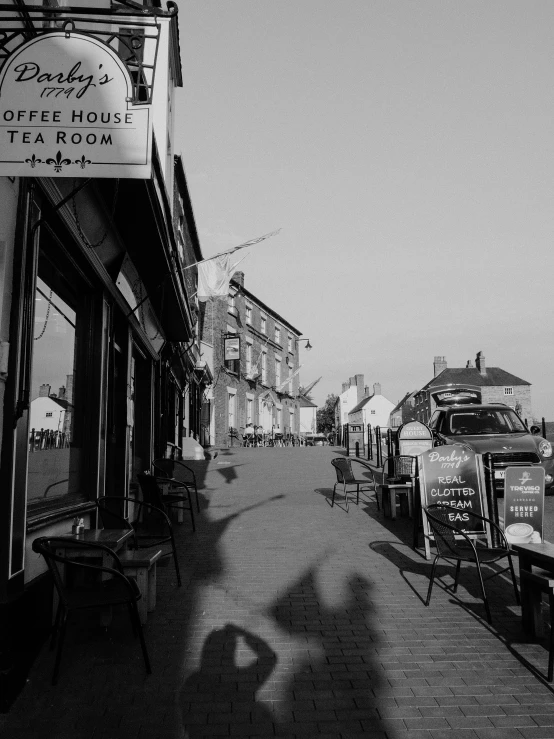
(453, 475)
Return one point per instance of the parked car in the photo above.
(494, 428)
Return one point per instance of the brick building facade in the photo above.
(487, 384)
(260, 386)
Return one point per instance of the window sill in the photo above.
(44, 518)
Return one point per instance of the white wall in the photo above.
(382, 408)
(307, 420)
(39, 420)
(347, 400)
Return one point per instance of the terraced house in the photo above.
(254, 355)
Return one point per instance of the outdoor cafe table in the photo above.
(533, 555)
(115, 539)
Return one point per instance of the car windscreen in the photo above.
(490, 421)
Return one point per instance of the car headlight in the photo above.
(545, 448)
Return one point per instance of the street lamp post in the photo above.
(308, 345)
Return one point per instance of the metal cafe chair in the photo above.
(347, 478)
(86, 593)
(399, 470)
(151, 525)
(454, 545)
(179, 471)
(153, 493)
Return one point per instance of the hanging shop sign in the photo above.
(524, 504)
(414, 438)
(452, 475)
(66, 110)
(232, 348)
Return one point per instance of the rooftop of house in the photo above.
(404, 399)
(494, 376)
(363, 402)
(238, 283)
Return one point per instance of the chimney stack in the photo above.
(345, 387)
(376, 388)
(359, 386)
(480, 363)
(238, 277)
(439, 365)
(44, 390)
(469, 364)
(366, 391)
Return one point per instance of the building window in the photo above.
(231, 301)
(232, 365)
(249, 409)
(289, 344)
(508, 391)
(277, 371)
(248, 313)
(372, 413)
(232, 408)
(249, 367)
(277, 334)
(59, 368)
(263, 324)
(264, 368)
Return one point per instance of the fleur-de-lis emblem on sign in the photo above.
(82, 161)
(58, 162)
(33, 161)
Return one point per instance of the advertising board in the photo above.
(452, 475)
(66, 110)
(524, 505)
(414, 438)
(232, 348)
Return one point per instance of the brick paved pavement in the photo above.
(296, 620)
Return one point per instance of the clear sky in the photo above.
(405, 149)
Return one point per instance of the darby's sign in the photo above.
(66, 111)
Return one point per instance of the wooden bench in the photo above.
(533, 585)
(141, 564)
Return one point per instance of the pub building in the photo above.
(100, 367)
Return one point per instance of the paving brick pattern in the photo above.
(296, 619)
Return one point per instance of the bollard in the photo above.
(390, 447)
(492, 501)
(369, 442)
(357, 448)
(543, 427)
(379, 451)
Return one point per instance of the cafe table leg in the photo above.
(152, 587)
(531, 602)
(143, 583)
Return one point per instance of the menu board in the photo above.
(414, 438)
(453, 475)
(524, 505)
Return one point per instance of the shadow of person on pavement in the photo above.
(349, 687)
(234, 663)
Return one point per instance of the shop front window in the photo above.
(55, 421)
